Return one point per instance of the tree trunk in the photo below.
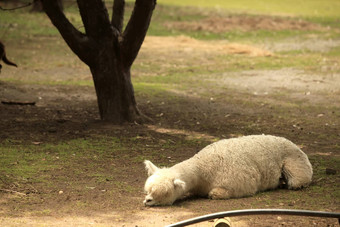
(37, 6)
(116, 100)
(107, 50)
(115, 94)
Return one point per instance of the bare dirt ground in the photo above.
(219, 24)
(286, 102)
(184, 45)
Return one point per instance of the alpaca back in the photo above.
(249, 163)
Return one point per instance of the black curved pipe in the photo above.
(234, 213)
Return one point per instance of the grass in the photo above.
(20, 162)
(164, 83)
(164, 14)
(20, 23)
(29, 161)
(163, 79)
(36, 23)
(334, 53)
(23, 162)
(311, 8)
(325, 13)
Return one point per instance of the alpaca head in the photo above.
(162, 187)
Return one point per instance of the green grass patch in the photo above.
(29, 161)
(165, 14)
(154, 89)
(21, 23)
(21, 162)
(334, 52)
(311, 8)
(24, 163)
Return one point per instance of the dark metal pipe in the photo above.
(234, 213)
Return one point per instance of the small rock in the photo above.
(37, 143)
(61, 192)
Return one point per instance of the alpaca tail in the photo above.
(297, 171)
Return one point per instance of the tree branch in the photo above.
(18, 7)
(95, 18)
(136, 29)
(118, 14)
(77, 41)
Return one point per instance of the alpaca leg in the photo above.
(219, 193)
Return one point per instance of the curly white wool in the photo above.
(230, 168)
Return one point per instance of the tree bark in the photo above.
(37, 6)
(107, 50)
(115, 94)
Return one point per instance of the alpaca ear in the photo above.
(179, 183)
(150, 167)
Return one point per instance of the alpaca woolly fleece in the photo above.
(230, 168)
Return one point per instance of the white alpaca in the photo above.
(230, 168)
